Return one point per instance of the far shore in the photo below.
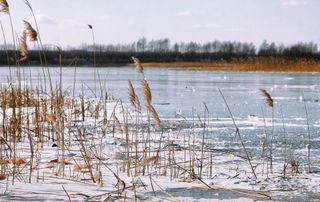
(298, 66)
(249, 67)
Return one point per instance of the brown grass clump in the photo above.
(18, 161)
(24, 53)
(4, 161)
(51, 118)
(256, 64)
(4, 6)
(80, 168)
(268, 99)
(3, 176)
(138, 65)
(146, 91)
(148, 161)
(30, 31)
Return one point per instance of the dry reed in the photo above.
(155, 117)
(117, 123)
(24, 53)
(32, 33)
(4, 6)
(146, 91)
(269, 102)
(18, 161)
(134, 99)
(137, 64)
(268, 99)
(51, 118)
(55, 106)
(268, 64)
(3, 176)
(150, 160)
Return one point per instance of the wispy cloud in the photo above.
(71, 22)
(45, 19)
(184, 13)
(294, 3)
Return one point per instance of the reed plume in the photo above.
(155, 117)
(117, 123)
(146, 91)
(132, 93)
(138, 65)
(4, 6)
(138, 105)
(24, 53)
(30, 31)
(133, 97)
(268, 99)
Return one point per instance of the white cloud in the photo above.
(44, 19)
(74, 23)
(184, 13)
(294, 3)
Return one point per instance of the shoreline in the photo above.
(237, 67)
(267, 67)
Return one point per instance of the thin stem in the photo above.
(285, 145)
(238, 133)
(308, 130)
(7, 53)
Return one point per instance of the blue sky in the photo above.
(65, 22)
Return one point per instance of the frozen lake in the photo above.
(180, 95)
(179, 98)
(176, 91)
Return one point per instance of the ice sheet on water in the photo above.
(242, 94)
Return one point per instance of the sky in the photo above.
(64, 22)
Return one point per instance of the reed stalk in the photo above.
(239, 135)
(94, 57)
(285, 145)
(269, 102)
(309, 136)
(205, 114)
(6, 49)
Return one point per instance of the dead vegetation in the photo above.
(46, 133)
(252, 64)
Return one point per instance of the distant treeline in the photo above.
(163, 51)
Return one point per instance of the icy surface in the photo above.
(179, 98)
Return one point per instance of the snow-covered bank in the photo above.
(111, 152)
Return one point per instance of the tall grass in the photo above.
(254, 64)
(239, 135)
(142, 143)
(6, 49)
(269, 102)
